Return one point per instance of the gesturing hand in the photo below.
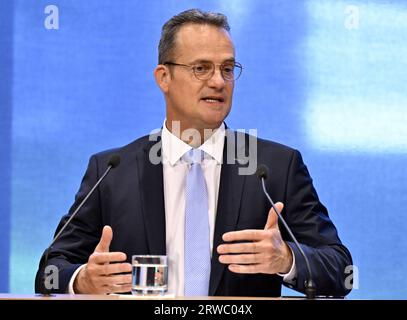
(263, 251)
(102, 273)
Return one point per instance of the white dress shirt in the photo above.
(175, 171)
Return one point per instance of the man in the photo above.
(214, 224)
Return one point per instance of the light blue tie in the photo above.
(197, 245)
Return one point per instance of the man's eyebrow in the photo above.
(209, 61)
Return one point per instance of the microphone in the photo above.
(310, 288)
(113, 162)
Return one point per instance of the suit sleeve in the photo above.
(78, 240)
(315, 232)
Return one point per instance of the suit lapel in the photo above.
(152, 195)
(230, 195)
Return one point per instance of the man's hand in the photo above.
(264, 252)
(100, 275)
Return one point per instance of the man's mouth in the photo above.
(213, 99)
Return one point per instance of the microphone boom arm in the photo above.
(310, 289)
(114, 161)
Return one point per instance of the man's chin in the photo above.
(214, 119)
(213, 123)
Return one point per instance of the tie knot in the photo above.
(193, 156)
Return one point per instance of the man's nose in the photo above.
(217, 80)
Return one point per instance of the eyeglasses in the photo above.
(230, 71)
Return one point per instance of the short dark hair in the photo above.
(172, 26)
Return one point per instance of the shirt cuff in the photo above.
(70, 285)
(291, 276)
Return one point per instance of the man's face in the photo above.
(200, 104)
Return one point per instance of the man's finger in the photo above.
(107, 257)
(114, 268)
(250, 268)
(105, 239)
(117, 280)
(119, 288)
(246, 247)
(251, 258)
(272, 219)
(249, 235)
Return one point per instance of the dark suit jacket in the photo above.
(131, 201)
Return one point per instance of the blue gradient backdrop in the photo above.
(321, 76)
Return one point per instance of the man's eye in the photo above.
(228, 69)
(202, 68)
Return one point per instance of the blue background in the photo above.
(334, 90)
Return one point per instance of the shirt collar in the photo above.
(174, 148)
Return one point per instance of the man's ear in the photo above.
(162, 77)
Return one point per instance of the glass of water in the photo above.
(150, 275)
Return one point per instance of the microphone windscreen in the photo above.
(262, 171)
(114, 161)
